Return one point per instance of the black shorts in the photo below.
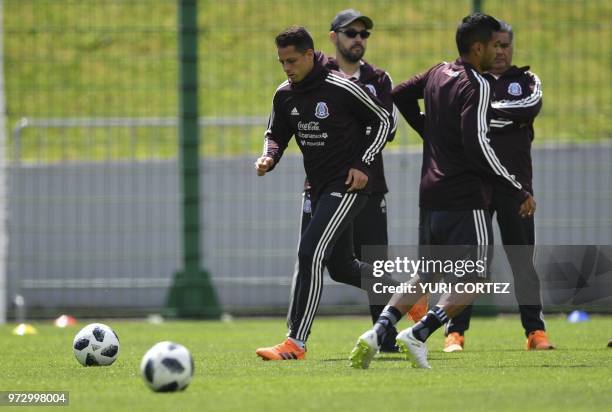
(460, 240)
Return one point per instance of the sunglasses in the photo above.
(352, 33)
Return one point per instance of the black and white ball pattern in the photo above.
(96, 345)
(167, 367)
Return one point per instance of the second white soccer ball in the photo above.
(167, 367)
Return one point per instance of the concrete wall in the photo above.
(108, 235)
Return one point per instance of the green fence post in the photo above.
(192, 293)
(477, 6)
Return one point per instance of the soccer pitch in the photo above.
(493, 373)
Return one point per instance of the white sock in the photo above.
(299, 343)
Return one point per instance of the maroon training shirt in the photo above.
(516, 101)
(457, 156)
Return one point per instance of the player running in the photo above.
(340, 128)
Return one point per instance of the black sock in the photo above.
(375, 312)
(386, 322)
(428, 325)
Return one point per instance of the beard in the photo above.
(353, 55)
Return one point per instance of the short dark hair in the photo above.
(296, 36)
(475, 28)
(506, 28)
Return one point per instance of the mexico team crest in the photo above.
(515, 89)
(321, 111)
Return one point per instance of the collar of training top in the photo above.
(367, 72)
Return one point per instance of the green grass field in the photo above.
(90, 58)
(494, 372)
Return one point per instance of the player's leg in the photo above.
(305, 216)
(454, 332)
(369, 342)
(456, 327)
(342, 264)
(288, 348)
(370, 230)
(472, 234)
(515, 234)
(344, 267)
(400, 303)
(518, 237)
(332, 215)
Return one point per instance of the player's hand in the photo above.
(263, 164)
(528, 207)
(356, 179)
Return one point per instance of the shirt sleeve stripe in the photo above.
(395, 114)
(383, 130)
(487, 150)
(528, 101)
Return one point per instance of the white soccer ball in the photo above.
(167, 367)
(96, 345)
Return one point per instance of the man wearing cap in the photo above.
(340, 128)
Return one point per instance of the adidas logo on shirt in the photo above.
(295, 112)
(451, 73)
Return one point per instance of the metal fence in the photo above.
(104, 226)
(94, 221)
(100, 236)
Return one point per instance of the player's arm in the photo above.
(385, 86)
(524, 110)
(376, 122)
(276, 138)
(406, 97)
(475, 137)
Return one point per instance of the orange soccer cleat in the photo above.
(283, 351)
(454, 342)
(418, 310)
(537, 340)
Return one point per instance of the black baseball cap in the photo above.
(346, 17)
